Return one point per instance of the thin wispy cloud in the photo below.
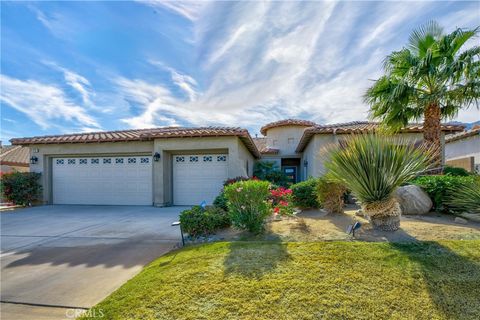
(43, 103)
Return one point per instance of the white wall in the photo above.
(285, 139)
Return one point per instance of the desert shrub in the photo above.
(304, 194)
(438, 186)
(453, 171)
(269, 171)
(330, 195)
(198, 221)
(373, 166)
(247, 204)
(221, 201)
(21, 188)
(464, 197)
(281, 200)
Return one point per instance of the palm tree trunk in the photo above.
(432, 133)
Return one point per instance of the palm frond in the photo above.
(424, 37)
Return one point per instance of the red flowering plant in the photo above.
(281, 201)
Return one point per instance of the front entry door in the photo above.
(291, 173)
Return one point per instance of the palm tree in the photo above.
(430, 79)
(373, 166)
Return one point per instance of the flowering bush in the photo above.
(247, 204)
(281, 200)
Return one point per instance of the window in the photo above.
(95, 161)
(207, 158)
(71, 161)
(193, 158)
(180, 159)
(60, 161)
(119, 160)
(107, 161)
(291, 140)
(132, 160)
(221, 158)
(246, 167)
(144, 160)
(82, 161)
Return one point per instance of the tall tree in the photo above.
(430, 79)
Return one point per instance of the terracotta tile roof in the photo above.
(261, 144)
(142, 135)
(359, 127)
(286, 122)
(15, 156)
(462, 135)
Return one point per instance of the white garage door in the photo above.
(198, 177)
(121, 180)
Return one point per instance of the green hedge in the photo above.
(453, 171)
(305, 194)
(439, 186)
(200, 222)
(21, 188)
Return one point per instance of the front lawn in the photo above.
(323, 280)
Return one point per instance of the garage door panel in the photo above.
(122, 180)
(198, 178)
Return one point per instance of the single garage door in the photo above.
(198, 177)
(117, 180)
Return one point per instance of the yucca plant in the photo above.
(464, 197)
(373, 166)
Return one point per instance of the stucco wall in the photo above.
(285, 139)
(315, 155)
(468, 147)
(7, 168)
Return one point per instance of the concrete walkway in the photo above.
(58, 260)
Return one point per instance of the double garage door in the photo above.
(127, 180)
(117, 180)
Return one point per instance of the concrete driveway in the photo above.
(55, 259)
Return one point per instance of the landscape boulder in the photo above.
(413, 200)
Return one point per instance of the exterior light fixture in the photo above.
(305, 163)
(156, 156)
(33, 160)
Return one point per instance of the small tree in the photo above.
(21, 188)
(429, 80)
(269, 171)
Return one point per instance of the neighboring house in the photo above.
(14, 158)
(177, 166)
(463, 149)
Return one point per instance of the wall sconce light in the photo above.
(33, 160)
(156, 157)
(305, 163)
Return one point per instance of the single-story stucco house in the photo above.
(463, 149)
(177, 166)
(14, 158)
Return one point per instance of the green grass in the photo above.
(323, 280)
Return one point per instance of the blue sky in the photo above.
(89, 66)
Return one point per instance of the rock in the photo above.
(461, 220)
(413, 200)
(359, 213)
